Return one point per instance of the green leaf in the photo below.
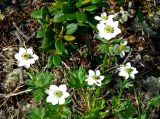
(77, 77)
(36, 14)
(44, 12)
(70, 17)
(81, 17)
(40, 33)
(140, 15)
(90, 8)
(56, 60)
(58, 18)
(43, 79)
(154, 101)
(71, 28)
(95, 1)
(121, 2)
(69, 37)
(59, 45)
(50, 61)
(38, 95)
(37, 113)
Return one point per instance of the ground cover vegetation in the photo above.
(80, 59)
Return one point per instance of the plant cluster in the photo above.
(86, 94)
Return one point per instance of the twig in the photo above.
(127, 57)
(15, 94)
(65, 65)
(27, 38)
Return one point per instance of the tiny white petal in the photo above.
(91, 73)
(104, 14)
(132, 76)
(128, 64)
(65, 95)
(27, 65)
(110, 16)
(22, 63)
(61, 101)
(125, 43)
(30, 51)
(101, 77)
(63, 88)
(35, 57)
(22, 50)
(98, 83)
(53, 88)
(54, 101)
(91, 82)
(17, 56)
(98, 18)
(97, 73)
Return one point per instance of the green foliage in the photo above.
(57, 111)
(39, 82)
(64, 26)
(37, 113)
(77, 77)
(121, 2)
(71, 28)
(59, 45)
(140, 15)
(114, 47)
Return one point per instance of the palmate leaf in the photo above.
(38, 95)
(81, 16)
(37, 113)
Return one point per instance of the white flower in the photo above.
(57, 95)
(108, 29)
(127, 71)
(94, 78)
(103, 17)
(26, 57)
(123, 48)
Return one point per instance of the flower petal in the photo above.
(27, 65)
(30, 51)
(53, 88)
(22, 50)
(63, 88)
(61, 101)
(21, 63)
(17, 56)
(52, 99)
(128, 64)
(101, 77)
(97, 73)
(65, 95)
(91, 73)
(98, 18)
(35, 57)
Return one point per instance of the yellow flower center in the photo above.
(104, 17)
(109, 29)
(26, 56)
(128, 70)
(95, 77)
(58, 93)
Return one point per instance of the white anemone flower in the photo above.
(57, 94)
(127, 71)
(103, 17)
(123, 48)
(25, 57)
(108, 29)
(94, 78)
